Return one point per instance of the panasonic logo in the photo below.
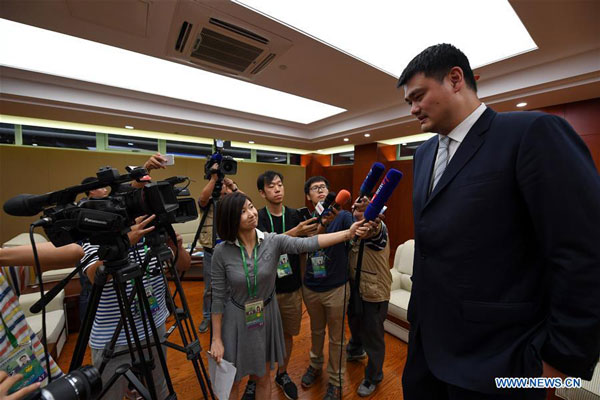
(94, 221)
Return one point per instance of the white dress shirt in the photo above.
(458, 134)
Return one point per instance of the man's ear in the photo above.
(308, 198)
(456, 78)
(262, 194)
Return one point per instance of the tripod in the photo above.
(115, 254)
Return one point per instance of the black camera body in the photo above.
(100, 220)
(227, 165)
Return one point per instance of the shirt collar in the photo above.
(259, 234)
(460, 131)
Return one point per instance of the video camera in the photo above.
(227, 165)
(99, 220)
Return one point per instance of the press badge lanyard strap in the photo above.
(271, 219)
(251, 293)
(11, 338)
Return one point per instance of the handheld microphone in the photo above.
(342, 198)
(370, 181)
(320, 208)
(26, 205)
(384, 192)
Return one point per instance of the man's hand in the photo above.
(359, 228)
(157, 161)
(370, 228)
(229, 184)
(179, 242)
(326, 219)
(6, 382)
(360, 205)
(139, 229)
(305, 228)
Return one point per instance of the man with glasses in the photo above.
(326, 293)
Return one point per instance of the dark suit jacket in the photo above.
(507, 253)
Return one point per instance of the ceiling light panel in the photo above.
(48, 52)
(387, 34)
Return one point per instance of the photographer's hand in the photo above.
(184, 260)
(139, 229)
(304, 228)
(230, 185)
(6, 382)
(157, 161)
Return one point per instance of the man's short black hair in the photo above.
(88, 180)
(312, 180)
(266, 178)
(435, 62)
(229, 213)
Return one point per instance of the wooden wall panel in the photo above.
(40, 170)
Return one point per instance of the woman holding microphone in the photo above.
(247, 328)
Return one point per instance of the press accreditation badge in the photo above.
(283, 266)
(22, 360)
(255, 317)
(152, 300)
(318, 265)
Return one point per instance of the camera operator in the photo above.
(156, 161)
(108, 315)
(206, 235)
(14, 330)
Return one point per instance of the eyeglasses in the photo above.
(320, 188)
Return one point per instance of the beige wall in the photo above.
(40, 170)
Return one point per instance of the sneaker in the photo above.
(204, 325)
(333, 392)
(250, 392)
(366, 388)
(310, 376)
(289, 388)
(350, 356)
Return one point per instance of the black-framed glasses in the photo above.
(319, 188)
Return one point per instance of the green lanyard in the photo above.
(271, 219)
(251, 293)
(11, 338)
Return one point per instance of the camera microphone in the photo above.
(26, 205)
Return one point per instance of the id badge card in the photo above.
(22, 360)
(318, 265)
(283, 266)
(151, 300)
(254, 312)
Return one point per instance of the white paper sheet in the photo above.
(221, 377)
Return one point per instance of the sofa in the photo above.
(56, 319)
(397, 321)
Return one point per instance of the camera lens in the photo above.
(81, 384)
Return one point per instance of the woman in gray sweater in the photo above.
(247, 329)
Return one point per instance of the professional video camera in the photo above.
(66, 222)
(227, 165)
(81, 384)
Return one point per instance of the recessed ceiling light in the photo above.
(501, 32)
(251, 141)
(277, 158)
(130, 144)
(34, 144)
(404, 144)
(522, 104)
(85, 60)
(367, 135)
(128, 127)
(346, 139)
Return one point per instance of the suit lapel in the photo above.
(425, 169)
(465, 152)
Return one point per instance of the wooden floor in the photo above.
(188, 388)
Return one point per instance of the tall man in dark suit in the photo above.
(507, 242)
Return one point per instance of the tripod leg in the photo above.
(125, 370)
(90, 315)
(157, 339)
(121, 296)
(196, 359)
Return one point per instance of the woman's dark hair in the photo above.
(229, 212)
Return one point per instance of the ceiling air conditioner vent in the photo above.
(238, 30)
(224, 51)
(184, 34)
(263, 64)
(209, 38)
